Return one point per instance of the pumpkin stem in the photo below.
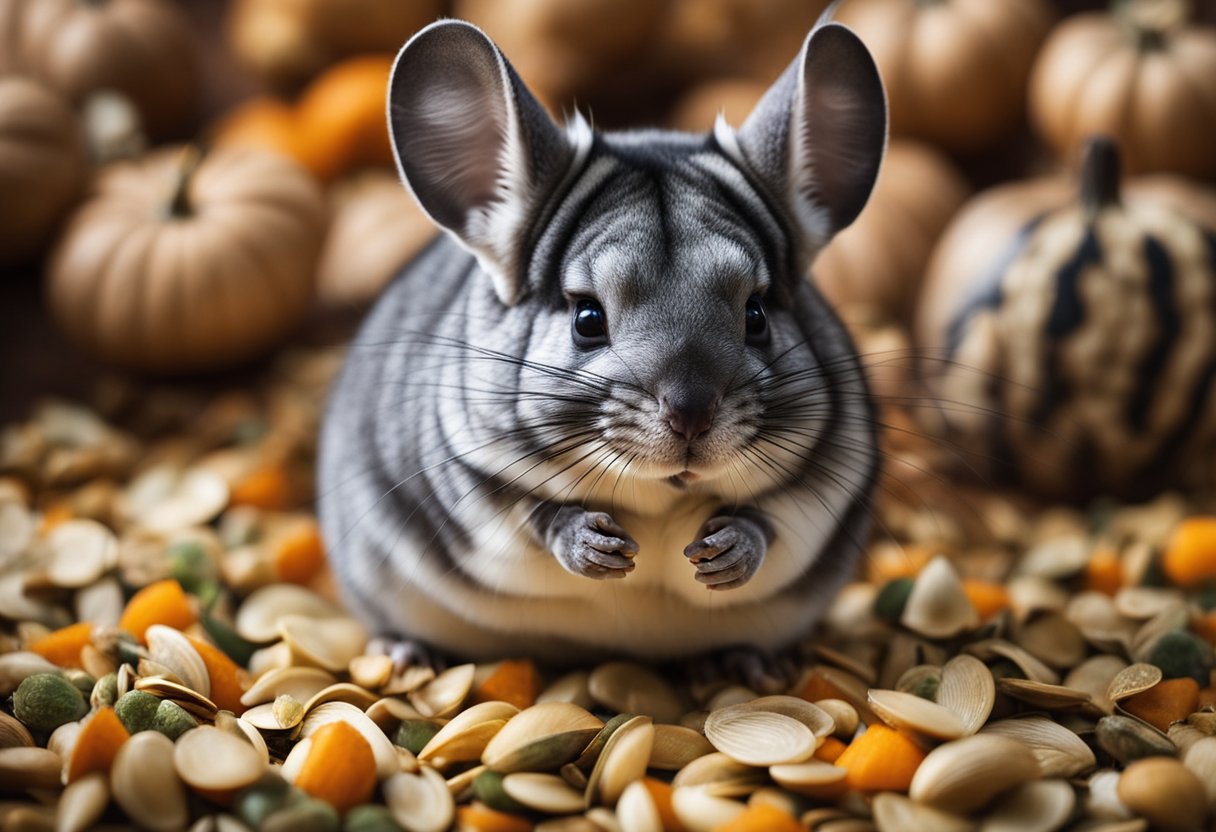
(1151, 22)
(1100, 176)
(179, 199)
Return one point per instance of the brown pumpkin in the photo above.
(337, 126)
(288, 41)
(1146, 79)
(377, 227)
(1073, 343)
(955, 70)
(563, 47)
(42, 166)
(178, 265)
(876, 264)
(141, 48)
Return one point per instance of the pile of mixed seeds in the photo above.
(172, 655)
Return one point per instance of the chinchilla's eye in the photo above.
(756, 321)
(590, 323)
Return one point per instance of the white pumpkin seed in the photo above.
(420, 802)
(966, 774)
(546, 793)
(919, 716)
(144, 780)
(208, 758)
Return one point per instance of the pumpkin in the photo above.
(42, 166)
(337, 125)
(876, 264)
(289, 41)
(563, 47)
(1142, 77)
(141, 48)
(706, 38)
(377, 227)
(955, 70)
(1073, 343)
(179, 264)
(733, 98)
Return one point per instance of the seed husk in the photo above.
(145, 782)
(258, 618)
(916, 715)
(700, 811)
(420, 802)
(966, 774)
(1059, 752)
(760, 738)
(636, 810)
(170, 648)
(1133, 679)
(328, 643)
(546, 793)
(895, 813)
(968, 690)
(197, 751)
(80, 551)
(937, 606)
(301, 683)
(1039, 695)
(443, 695)
(572, 688)
(1035, 806)
(465, 737)
(718, 774)
(810, 778)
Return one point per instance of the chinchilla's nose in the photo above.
(689, 412)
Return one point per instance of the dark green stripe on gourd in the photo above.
(1081, 358)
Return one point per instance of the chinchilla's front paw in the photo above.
(590, 543)
(728, 551)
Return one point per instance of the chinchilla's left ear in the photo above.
(475, 148)
(817, 136)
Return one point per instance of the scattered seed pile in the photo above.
(171, 656)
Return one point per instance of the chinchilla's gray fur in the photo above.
(695, 473)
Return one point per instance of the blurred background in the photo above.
(138, 239)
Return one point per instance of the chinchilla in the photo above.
(606, 413)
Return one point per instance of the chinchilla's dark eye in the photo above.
(756, 321)
(590, 323)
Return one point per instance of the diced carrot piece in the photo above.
(228, 680)
(515, 681)
(830, 751)
(162, 602)
(340, 768)
(100, 737)
(987, 598)
(660, 793)
(761, 818)
(63, 646)
(1103, 573)
(299, 553)
(266, 487)
(1190, 555)
(484, 819)
(881, 759)
(1165, 702)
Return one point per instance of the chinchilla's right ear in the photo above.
(474, 146)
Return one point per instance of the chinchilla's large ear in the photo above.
(473, 145)
(817, 136)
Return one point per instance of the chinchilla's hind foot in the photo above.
(763, 671)
(407, 654)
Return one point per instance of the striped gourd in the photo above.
(1071, 344)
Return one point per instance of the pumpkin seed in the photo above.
(1036, 806)
(196, 754)
(700, 811)
(632, 689)
(79, 552)
(1059, 752)
(420, 802)
(719, 775)
(760, 738)
(622, 761)
(919, 716)
(1200, 759)
(937, 606)
(1128, 739)
(808, 777)
(328, 643)
(966, 774)
(371, 672)
(145, 781)
(466, 736)
(543, 792)
(543, 737)
(895, 813)
(300, 683)
(572, 688)
(258, 618)
(83, 802)
(967, 689)
(676, 746)
(30, 768)
(636, 810)
(170, 648)
(443, 695)
(1049, 697)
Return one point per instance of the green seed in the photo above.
(136, 711)
(892, 598)
(1179, 653)
(45, 701)
(926, 688)
(487, 787)
(414, 734)
(172, 720)
(191, 566)
(306, 816)
(370, 818)
(226, 638)
(255, 803)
